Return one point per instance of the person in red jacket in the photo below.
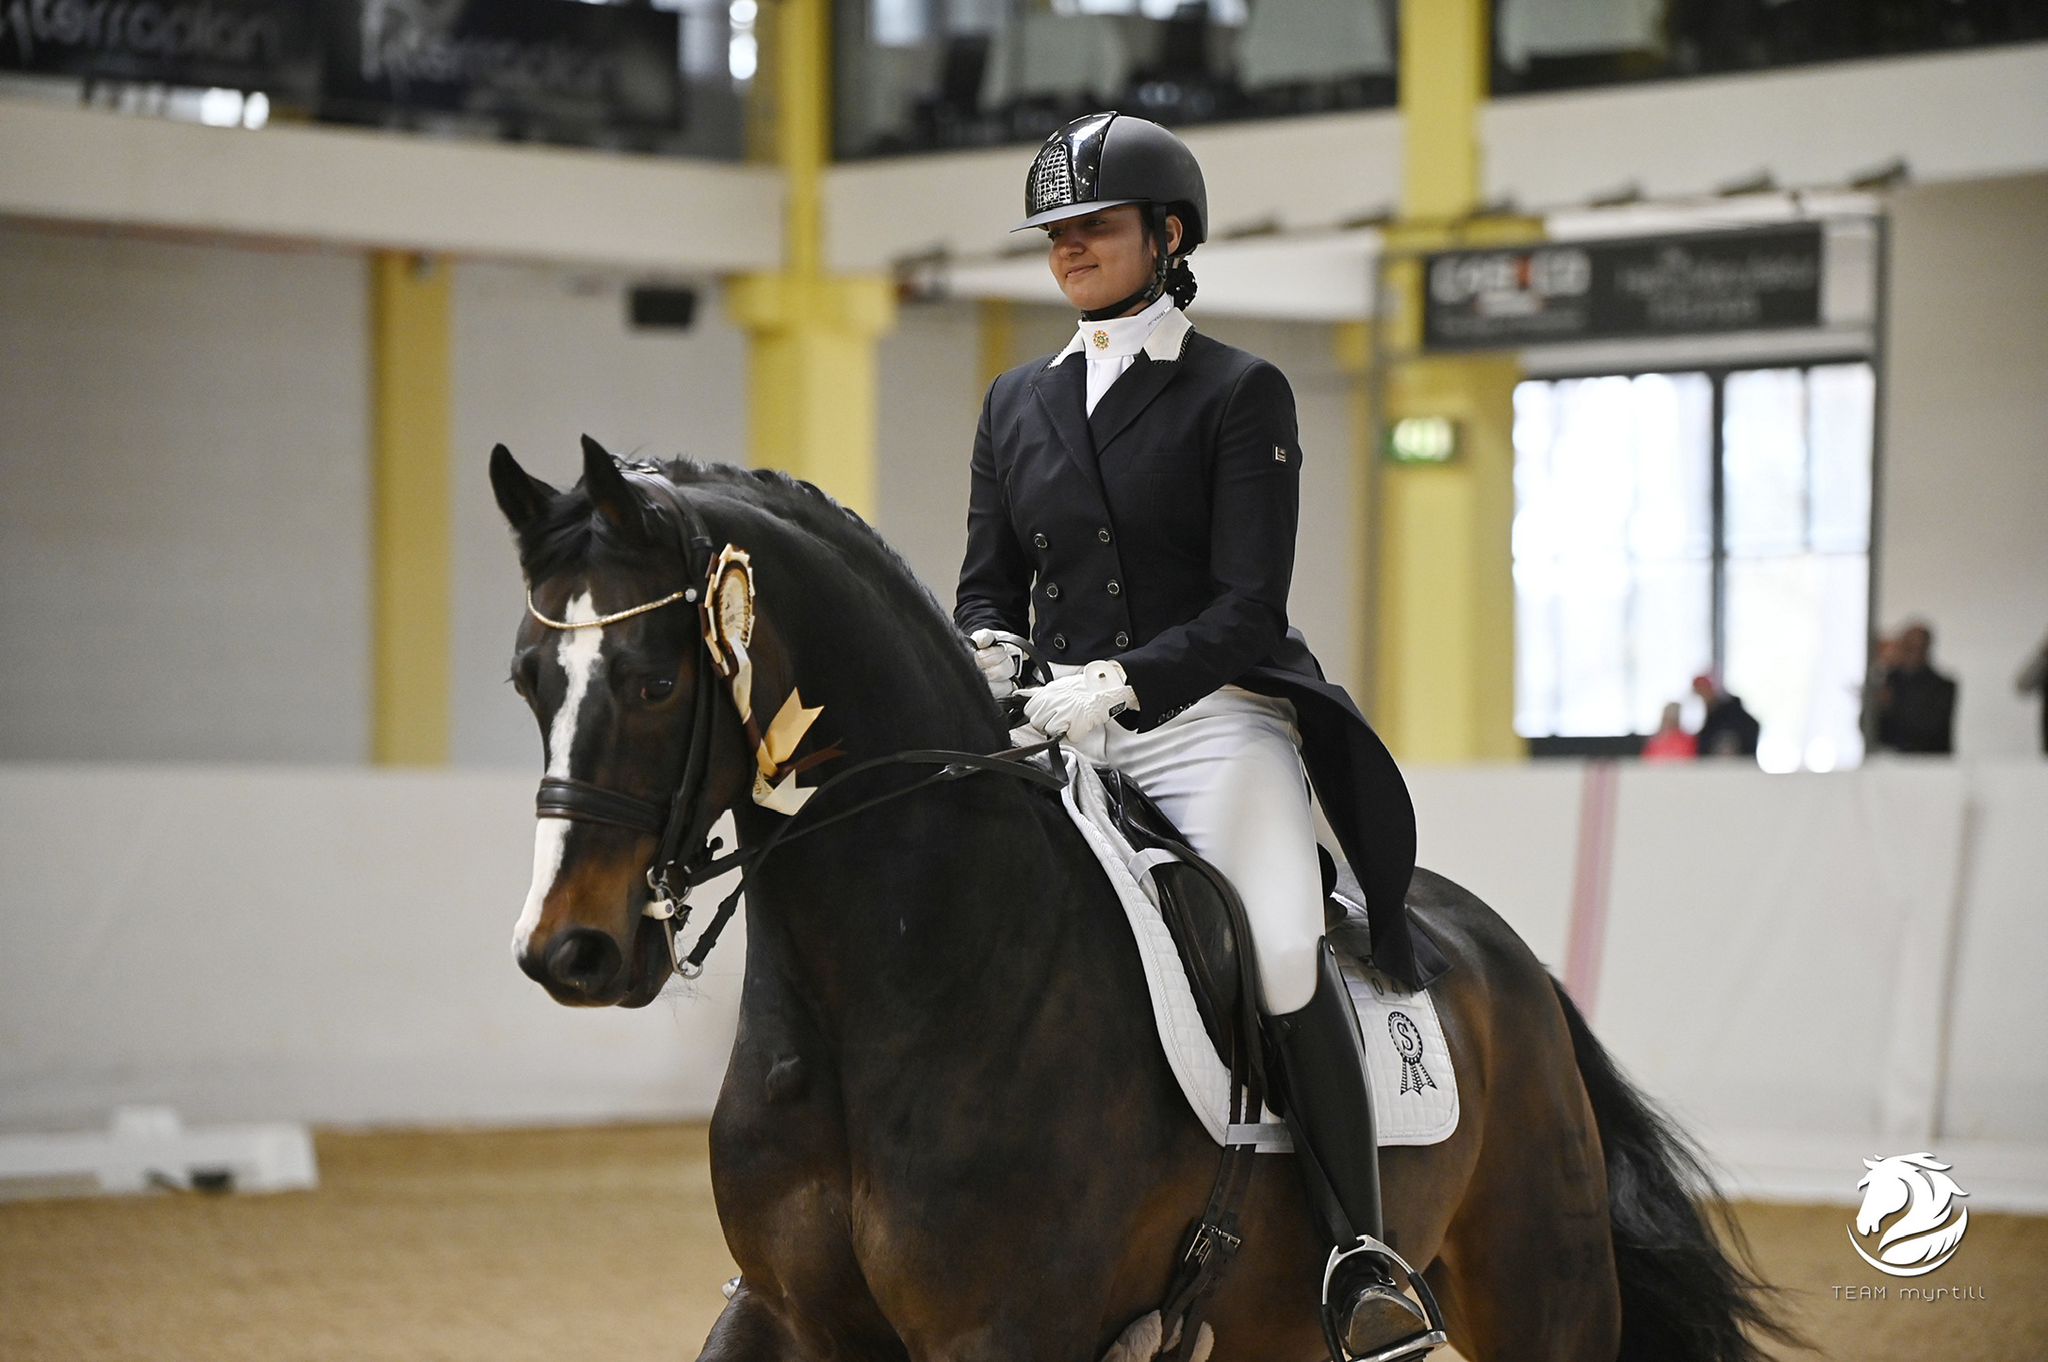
(1670, 742)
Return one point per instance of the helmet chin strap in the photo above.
(1155, 226)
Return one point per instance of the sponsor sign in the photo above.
(242, 44)
(1703, 283)
(553, 61)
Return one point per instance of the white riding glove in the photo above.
(1075, 706)
(1001, 659)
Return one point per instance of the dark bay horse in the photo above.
(947, 1131)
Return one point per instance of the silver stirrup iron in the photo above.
(1434, 1334)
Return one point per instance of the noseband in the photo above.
(726, 611)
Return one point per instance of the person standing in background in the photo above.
(1729, 730)
(1670, 742)
(2033, 680)
(1916, 705)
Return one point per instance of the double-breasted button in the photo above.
(1041, 541)
(1114, 589)
(1103, 534)
(1123, 640)
(1059, 643)
(1052, 591)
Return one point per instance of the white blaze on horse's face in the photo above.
(579, 651)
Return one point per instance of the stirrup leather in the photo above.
(1394, 1268)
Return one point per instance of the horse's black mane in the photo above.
(569, 535)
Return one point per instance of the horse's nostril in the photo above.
(584, 960)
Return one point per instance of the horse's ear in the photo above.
(521, 496)
(609, 491)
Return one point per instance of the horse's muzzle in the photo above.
(584, 967)
(579, 965)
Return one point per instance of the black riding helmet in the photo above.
(1104, 160)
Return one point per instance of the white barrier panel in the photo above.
(1808, 970)
(331, 946)
(1768, 955)
(1510, 835)
(1997, 1078)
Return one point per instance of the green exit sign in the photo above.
(1423, 439)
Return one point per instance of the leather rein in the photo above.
(686, 855)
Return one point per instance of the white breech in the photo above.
(1227, 770)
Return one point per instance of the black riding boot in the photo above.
(1329, 1109)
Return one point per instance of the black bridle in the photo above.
(686, 855)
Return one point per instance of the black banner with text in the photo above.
(556, 61)
(240, 44)
(1743, 280)
(547, 62)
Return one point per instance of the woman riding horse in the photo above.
(948, 1131)
(1133, 511)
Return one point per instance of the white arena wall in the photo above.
(185, 457)
(1807, 970)
(185, 525)
(543, 355)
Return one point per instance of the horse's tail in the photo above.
(1688, 1294)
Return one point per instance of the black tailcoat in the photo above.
(1160, 532)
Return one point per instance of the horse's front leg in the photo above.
(779, 1176)
(1056, 1268)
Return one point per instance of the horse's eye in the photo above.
(657, 690)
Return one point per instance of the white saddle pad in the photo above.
(1415, 1091)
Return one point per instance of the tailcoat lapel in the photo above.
(1128, 397)
(1062, 392)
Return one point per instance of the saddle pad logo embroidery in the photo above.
(1408, 1041)
(1414, 1088)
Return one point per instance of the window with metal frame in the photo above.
(1668, 524)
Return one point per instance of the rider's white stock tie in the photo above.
(1112, 344)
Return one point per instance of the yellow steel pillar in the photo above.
(998, 338)
(1444, 664)
(1356, 355)
(412, 518)
(811, 375)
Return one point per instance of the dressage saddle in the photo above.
(1206, 919)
